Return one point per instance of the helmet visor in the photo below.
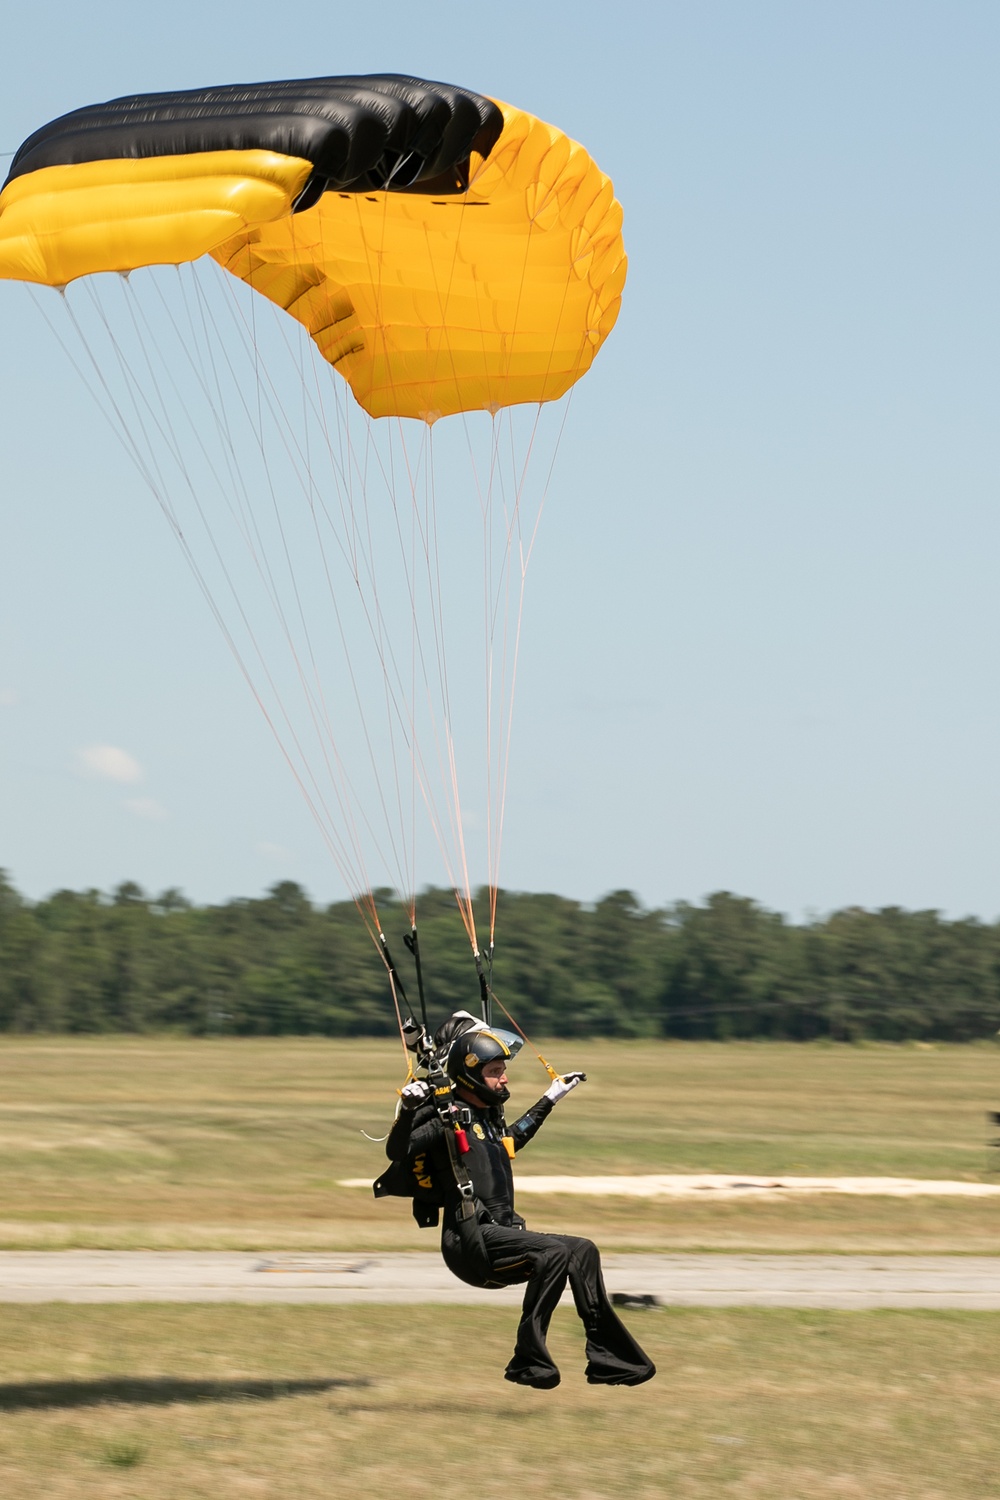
(510, 1039)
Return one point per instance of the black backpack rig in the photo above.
(413, 1177)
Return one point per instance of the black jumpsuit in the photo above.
(514, 1254)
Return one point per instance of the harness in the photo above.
(412, 1178)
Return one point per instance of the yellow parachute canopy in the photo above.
(426, 303)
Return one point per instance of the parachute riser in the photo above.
(485, 984)
(413, 946)
(398, 987)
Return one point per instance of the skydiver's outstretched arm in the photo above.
(530, 1122)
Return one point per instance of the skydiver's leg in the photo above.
(546, 1261)
(517, 1255)
(613, 1355)
(507, 1261)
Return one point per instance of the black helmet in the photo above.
(469, 1054)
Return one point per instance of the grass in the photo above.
(123, 1454)
(220, 1403)
(177, 1143)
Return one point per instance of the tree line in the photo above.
(81, 962)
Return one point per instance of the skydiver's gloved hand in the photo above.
(414, 1093)
(560, 1087)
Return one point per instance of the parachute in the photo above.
(448, 255)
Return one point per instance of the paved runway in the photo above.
(835, 1281)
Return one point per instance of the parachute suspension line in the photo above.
(489, 585)
(425, 530)
(347, 799)
(152, 476)
(495, 590)
(258, 553)
(405, 694)
(418, 540)
(163, 495)
(199, 342)
(397, 991)
(443, 300)
(347, 866)
(513, 521)
(499, 736)
(425, 527)
(375, 625)
(459, 866)
(134, 392)
(414, 779)
(374, 613)
(406, 718)
(319, 701)
(339, 780)
(524, 559)
(351, 866)
(486, 981)
(546, 1065)
(314, 500)
(430, 550)
(399, 717)
(362, 559)
(115, 422)
(376, 628)
(463, 890)
(242, 512)
(386, 655)
(498, 605)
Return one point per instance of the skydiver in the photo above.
(490, 1245)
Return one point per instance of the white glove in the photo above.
(560, 1087)
(414, 1093)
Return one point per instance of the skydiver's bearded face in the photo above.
(494, 1077)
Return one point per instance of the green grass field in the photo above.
(123, 1142)
(279, 1403)
(177, 1143)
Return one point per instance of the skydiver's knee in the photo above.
(584, 1253)
(554, 1257)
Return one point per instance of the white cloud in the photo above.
(274, 852)
(146, 807)
(110, 763)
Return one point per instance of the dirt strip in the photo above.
(833, 1281)
(724, 1185)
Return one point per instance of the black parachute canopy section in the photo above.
(383, 131)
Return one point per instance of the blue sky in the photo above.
(762, 634)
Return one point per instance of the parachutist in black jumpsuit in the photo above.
(509, 1253)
